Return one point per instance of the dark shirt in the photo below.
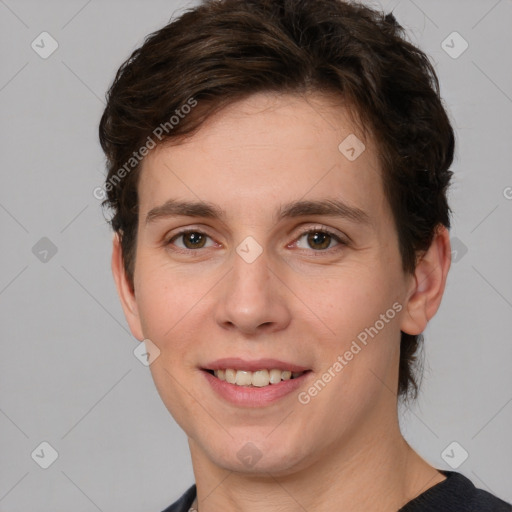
(455, 494)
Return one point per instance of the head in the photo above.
(249, 106)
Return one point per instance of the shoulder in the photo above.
(456, 494)
(184, 502)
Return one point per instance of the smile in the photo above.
(259, 378)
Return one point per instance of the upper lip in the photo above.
(236, 363)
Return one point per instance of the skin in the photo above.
(296, 303)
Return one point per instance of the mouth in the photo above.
(254, 383)
(255, 379)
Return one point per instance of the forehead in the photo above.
(264, 150)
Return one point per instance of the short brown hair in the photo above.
(224, 50)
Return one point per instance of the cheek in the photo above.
(168, 305)
(165, 299)
(361, 311)
(351, 301)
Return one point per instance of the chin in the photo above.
(262, 455)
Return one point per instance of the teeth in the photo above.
(230, 376)
(243, 378)
(275, 376)
(258, 379)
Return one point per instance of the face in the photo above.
(269, 272)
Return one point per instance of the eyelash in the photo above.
(341, 242)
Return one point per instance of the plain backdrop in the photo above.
(69, 377)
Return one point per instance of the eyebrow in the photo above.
(326, 207)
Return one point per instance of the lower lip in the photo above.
(245, 396)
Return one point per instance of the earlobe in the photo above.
(124, 290)
(428, 284)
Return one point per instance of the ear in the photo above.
(427, 284)
(124, 289)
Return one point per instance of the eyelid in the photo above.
(325, 229)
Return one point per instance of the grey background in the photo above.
(68, 373)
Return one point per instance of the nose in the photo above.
(252, 298)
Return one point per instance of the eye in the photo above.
(192, 239)
(320, 239)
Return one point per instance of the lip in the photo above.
(236, 363)
(251, 397)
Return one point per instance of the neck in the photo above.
(372, 468)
